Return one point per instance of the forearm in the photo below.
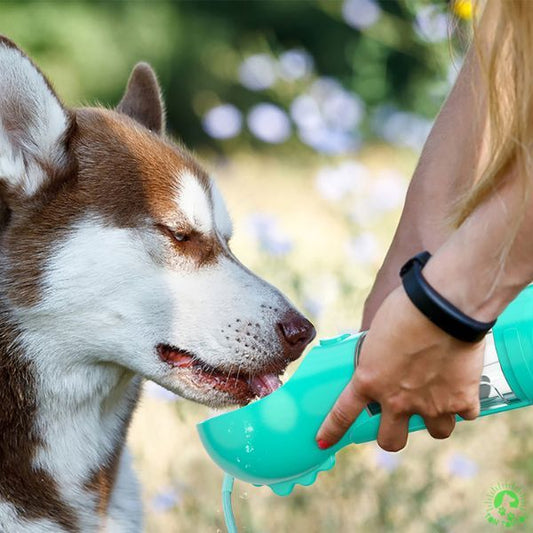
(489, 259)
(446, 169)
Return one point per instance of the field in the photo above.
(300, 115)
(321, 240)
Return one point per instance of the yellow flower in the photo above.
(463, 9)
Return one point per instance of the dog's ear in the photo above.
(142, 100)
(33, 124)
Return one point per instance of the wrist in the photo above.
(478, 289)
(415, 325)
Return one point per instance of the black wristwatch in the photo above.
(435, 307)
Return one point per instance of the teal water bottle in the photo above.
(272, 441)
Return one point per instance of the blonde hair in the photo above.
(503, 40)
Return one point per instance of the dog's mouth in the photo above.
(243, 387)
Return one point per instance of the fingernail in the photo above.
(322, 444)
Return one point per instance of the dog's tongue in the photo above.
(264, 385)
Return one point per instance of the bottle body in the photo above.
(495, 392)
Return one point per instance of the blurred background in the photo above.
(311, 114)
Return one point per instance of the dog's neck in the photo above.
(63, 423)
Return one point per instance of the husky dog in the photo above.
(115, 265)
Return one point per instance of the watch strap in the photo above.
(435, 307)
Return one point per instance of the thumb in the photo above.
(347, 408)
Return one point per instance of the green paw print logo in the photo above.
(505, 506)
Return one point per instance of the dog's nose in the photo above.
(296, 332)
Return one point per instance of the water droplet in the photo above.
(244, 496)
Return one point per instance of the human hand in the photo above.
(409, 366)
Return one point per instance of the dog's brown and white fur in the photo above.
(114, 266)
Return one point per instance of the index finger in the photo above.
(347, 408)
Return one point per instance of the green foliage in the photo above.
(87, 48)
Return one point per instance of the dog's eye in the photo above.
(181, 236)
(175, 235)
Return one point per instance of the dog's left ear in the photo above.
(142, 100)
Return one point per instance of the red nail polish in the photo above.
(322, 444)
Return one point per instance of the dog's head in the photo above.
(115, 243)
